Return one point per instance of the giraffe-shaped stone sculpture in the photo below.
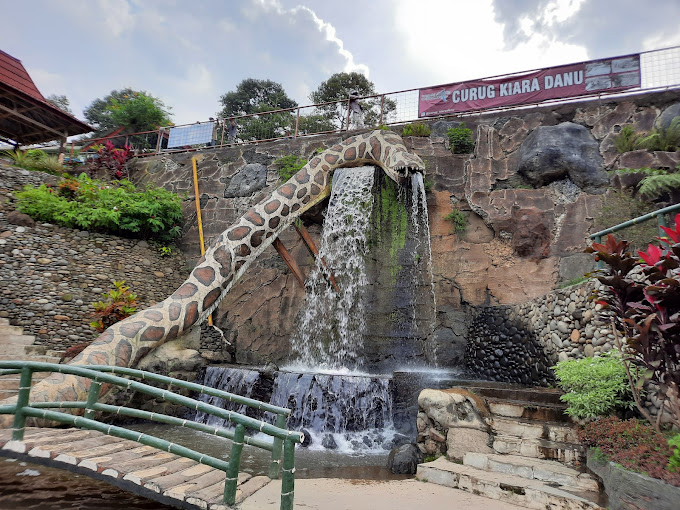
(127, 341)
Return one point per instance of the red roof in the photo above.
(27, 117)
(13, 73)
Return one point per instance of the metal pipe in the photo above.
(21, 408)
(635, 221)
(288, 479)
(198, 216)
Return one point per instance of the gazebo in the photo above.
(26, 117)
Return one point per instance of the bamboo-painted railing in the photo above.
(660, 216)
(98, 374)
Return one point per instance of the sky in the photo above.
(189, 53)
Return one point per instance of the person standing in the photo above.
(231, 133)
(356, 111)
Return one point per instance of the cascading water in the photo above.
(234, 380)
(330, 330)
(376, 243)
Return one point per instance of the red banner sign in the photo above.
(586, 78)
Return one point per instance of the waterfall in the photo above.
(239, 381)
(331, 327)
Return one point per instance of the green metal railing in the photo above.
(282, 439)
(660, 216)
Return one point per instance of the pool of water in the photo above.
(26, 486)
(309, 462)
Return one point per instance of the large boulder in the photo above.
(666, 118)
(404, 459)
(552, 153)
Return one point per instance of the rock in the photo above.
(589, 350)
(461, 441)
(21, 219)
(307, 441)
(249, 179)
(404, 459)
(328, 442)
(454, 408)
(666, 118)
(551, 153)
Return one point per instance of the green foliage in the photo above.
(632, 444)
(256, 96)
(459, 220)
(165, 251)
(594, 386)
(383, 127)
(674, 460)
(119, 304)
(100, 113)
(621, 206)
(416, 129)
(661, 139)
(657, 182)
(429, 185)
(336, 90)
(627, 140)
(35, 159)
(60, 102)
(289, 165)
(460, 139)
(115, 208)
(138, 112)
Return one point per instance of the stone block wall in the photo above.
(50, 276)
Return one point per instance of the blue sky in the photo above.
(189, 53)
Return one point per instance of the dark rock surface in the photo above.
(550, 153)
(404, 459)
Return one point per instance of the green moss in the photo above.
(391, 223)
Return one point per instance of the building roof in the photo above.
(26, 117)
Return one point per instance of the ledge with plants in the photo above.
(115, 207)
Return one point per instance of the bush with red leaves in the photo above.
(633, 444)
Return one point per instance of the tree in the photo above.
(60, 102)
(144, 114)
(337, 89)
(255, 96)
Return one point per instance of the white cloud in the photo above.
(116, 16)
(48, 83)
(560, 11)
(465, 42)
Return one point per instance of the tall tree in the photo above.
(337, 89)
(144, 113)
(255, 96)
(60, 102)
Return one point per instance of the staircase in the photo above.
(535, 458)
(14, 345)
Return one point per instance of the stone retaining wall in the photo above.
(50, 276)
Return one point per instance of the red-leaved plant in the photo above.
(645, 294)
(113, 160)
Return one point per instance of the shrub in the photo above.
(115, 208)
(289, 165)
(416, 129)
(663, 139)
(120, 303)
(627, 140)
(35, 159)
(459, 220)
(654, 182)
(112, 159)
(632, 444)
(460, 139)
(645, 297)
(595, 386)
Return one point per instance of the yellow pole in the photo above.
(198, 216)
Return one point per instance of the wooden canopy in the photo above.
(26, 117)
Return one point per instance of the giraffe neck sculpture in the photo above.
(127, 341)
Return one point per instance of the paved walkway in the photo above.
(338, 494)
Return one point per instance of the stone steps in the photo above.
(533, 469)
(501, 486)
(566, 453)
(534, 429)
(528, 410)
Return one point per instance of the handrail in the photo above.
(98, 374)
(658, 214)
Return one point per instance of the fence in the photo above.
(659, 69)
(282, 439)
